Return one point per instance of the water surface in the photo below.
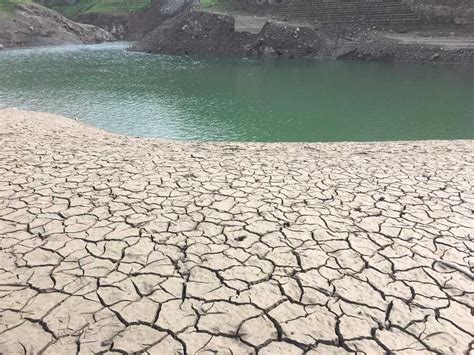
(240, 99)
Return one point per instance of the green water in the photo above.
(242, 100)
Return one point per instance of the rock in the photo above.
(367, 55)
(434, 57)
(346, 53)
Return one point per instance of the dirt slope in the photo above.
(34, 25)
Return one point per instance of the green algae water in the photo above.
(240, 99)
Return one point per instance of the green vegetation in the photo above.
(101, 6)
(212, 3)
(8, 5)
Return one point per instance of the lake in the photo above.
(226, 99)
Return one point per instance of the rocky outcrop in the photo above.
(34, 25)
(291, 41)
(199, 32)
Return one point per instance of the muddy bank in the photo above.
(34, 25)
(197, 32)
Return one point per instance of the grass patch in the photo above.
(213, 3)
(101, 6)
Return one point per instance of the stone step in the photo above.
(318, 5)
(374, 14)
(329, 10)
(337, 11)
(372, 22)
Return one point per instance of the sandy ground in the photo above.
(115, 244)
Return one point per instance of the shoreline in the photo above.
(316, 58)
(78, 121)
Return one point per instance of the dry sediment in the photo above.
(121, 244)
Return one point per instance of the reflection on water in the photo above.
(240, 99)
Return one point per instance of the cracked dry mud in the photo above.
(113, 244)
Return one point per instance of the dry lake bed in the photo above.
(114, 244)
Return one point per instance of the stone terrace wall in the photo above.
(440, 11)
(444, 11)
(381, 13)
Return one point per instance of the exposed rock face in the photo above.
(34, 25)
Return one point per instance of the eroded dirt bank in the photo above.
(124, 245)
(34, 25)
(198, 32)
